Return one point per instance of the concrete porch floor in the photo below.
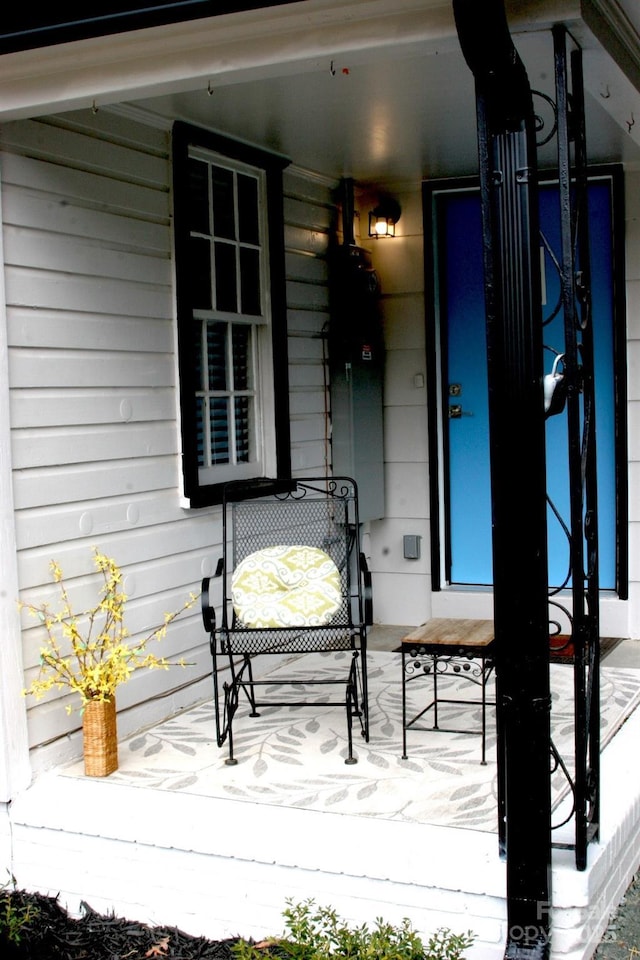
(217, 867)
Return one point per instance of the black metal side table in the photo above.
(448, 646)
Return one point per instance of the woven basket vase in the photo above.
(100, 738)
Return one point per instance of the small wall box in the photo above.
(411, 546)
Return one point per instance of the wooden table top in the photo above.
(446, 631)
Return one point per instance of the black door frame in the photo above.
(435, 334)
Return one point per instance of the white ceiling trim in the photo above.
(248, 45)
(617, 32)
(219, 50)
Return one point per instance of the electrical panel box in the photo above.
(356, 362)
(357, 434)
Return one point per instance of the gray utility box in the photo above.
(356, 367)
(357, 433)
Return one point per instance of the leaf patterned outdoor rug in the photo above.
(294, 756)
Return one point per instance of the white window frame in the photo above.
(262, 428)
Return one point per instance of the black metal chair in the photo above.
(294, 581)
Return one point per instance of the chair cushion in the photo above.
(286, 586)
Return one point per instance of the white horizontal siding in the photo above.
(37, 181)
(402, 587)
(92, 444)
(84, 368)
(105, 294)
(92, 369)
(57, 216)
(309, 214)
(191, 537)
(95, 445)
(90, 143)
(43, 407)
(90, 258)
(59, 484)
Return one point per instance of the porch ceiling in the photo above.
(404, 112)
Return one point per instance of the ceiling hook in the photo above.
(94, 108)
(209, 89)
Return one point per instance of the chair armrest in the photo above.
(367, 591)
(208, 612)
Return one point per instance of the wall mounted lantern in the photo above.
(383, 218)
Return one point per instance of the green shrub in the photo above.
(315, 933)
(15, 913)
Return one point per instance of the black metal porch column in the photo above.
(507, 153)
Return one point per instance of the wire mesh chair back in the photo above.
(322, 518)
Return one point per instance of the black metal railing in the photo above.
(581, 610)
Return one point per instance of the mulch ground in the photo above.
(46, 932)
(621, 940)
(34, 927)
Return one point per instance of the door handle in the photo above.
(456, 411)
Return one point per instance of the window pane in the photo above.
(217, 356)
(241, 409)
(200, 273)
(241, 337)
(199, 197)
(219, 426)
(248, 231)
(226, 296)
(250, 281)
(223, 206)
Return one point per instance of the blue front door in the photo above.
(466, 431)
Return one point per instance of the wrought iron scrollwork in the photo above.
(541, 100)
(420, 662)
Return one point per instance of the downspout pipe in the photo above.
(499, 74)
(513, 304)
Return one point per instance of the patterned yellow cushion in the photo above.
(286, 586)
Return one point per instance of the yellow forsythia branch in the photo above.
(94, 661)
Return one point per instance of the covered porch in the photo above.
(177, 837)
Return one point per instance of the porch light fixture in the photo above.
(383, 218)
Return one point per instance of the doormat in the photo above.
(561, 648)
